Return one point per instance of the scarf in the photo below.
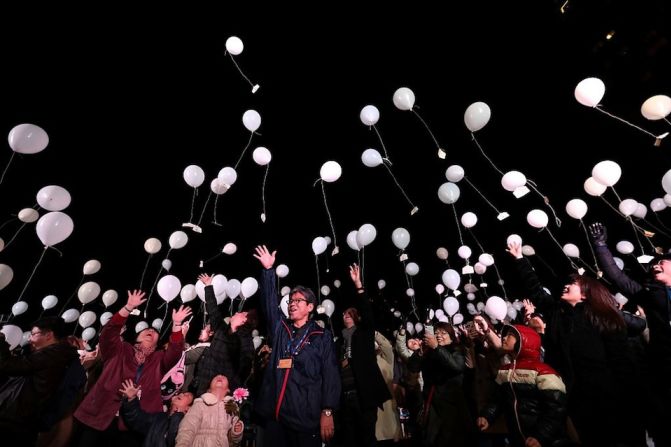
(141, 353)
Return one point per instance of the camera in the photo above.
(428, 329)
(403, 414)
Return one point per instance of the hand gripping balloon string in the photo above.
(546, 199)
(454, 210)
(251, 135)
(7, 167)
(414, 208)
(625, 121)
(32, 274)
(427, 127)
(485, 155)
(202, 213)
(74, 292)
(254, 86)
(482, 195)
(263, 193)
(384, 149)
(328, 213)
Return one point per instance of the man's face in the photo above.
(662, 271)
(39, 338)
(299, 308)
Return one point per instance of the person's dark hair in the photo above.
(447, 327)
(600, 307)
(307, 293)
(54, 324)
(354, 314)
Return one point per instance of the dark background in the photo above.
(129, 98)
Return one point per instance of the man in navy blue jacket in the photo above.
(301, 386)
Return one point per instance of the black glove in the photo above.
(597, 231)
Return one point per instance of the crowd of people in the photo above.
(574, 369)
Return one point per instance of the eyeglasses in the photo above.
(32, 334)
(297, 301)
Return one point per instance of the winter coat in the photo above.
(159, 429)
(388, 425)
(295, 396)
(103, 401)
(208, 424)
(530, 392)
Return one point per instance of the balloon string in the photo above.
(11, 219)
(500, 281)
(213, 257)
(625, 121)
(573, 265)
(546, 199)
(263, 189)
(636, 227)
(329, 214)
(481, 195)
(362, 253)
(163, 326)
(15, 234)
(616, 194)
(660, 221)
(319, 287)
(485, 155)
(379, 137)
(399, 186)
(241, 73)
(202, 213)
(476, 240)
(81, 281)
(547, 266)
(427, 127)
(214, 212)
(454, 210)
(589, 244)
(7, 167)
(32, 274)
(193, 201)
(628, 218)
(146, 307)
(146, 264)
(582, 261)
(655, 228)
(251, 135)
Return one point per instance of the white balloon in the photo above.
(397, 313)
(451, 305)
(13, 335)
(329, 307)
(448, 193)
(454, 173)
(656, 107)
(325, 290)
(70, 315)
(404, 98)
(152, 245)
(19, 307)
(234, 45)
(628, 206)
(496, 308)
(412, 268)
(619, 262)
(168, 287)
(371, 158)
(227, 177)
(87, 319)
(88, 292)
(88, 334)
(141, 326)
(54, 227)
(589, 92)
(328, 240)
(336, 283)
(571, 250)
(178, 239)
(381, 284)
(28, 215)
(469, 219)
(410, 328)
(470, 296)
(625, 247)
(285, 290)
(257, 342)
(451, 279)
(441, 252)
(166, 264)
(188, 293)
(252, 120)
(470, 288)
(410, 292)
(109, 297)
(218, 187)
(366, 234)
(480, 268)
(464, 252)
(400, 237)
(477, 116)
(419, 327)
(607, 172)
(528, 250)
(657, 205)
(369, 115)
(318, 245)
(261, 156)
(233, 288)
(157, 324)
(27, 139)
(105, 317)
(53, 198)
(457, 319)
(282, 270)
(6, 275)
(249, 287)
(486, 259)
(537, 218)
(576, 208)
(49, 302)
(230, 248)
(194, 176)
(666, 184)
(330, 171)
(440, 289)
(91, 266)
(352, 240)
(641, 211)
(594, 188)
(512, 180)
(516, 238)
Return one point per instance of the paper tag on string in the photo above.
(335, 251)
(456, 293)
(414, 210)
(467, 270)
(483, 285)
(403, 257)
(188, 225)
(503, 215)
(197, 229)
(521, 191)
(263, 217)
(442, 154)
(644, 259)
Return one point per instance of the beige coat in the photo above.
(207, 424)
(388, 425)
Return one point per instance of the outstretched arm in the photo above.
(268, 286)
(629, 287)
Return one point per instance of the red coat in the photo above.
(102, 403)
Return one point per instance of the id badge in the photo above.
(285, 363)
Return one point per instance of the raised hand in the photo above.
(266, 258)
(515, 249)
(598, 234)
(135, 298)
(355, 275)
(205, 279)
(129, 389)
(178, 315)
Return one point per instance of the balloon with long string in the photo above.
(330, 172)
(539, 219)
(449, 193)
(229, 249)
(640, 213)
(372, 158)
(354, 245)
(657, 108)
(572, 251)
(168, 288)
(177, 240)
(476, 116)
(262, 157)
(86, 293)
(234, 47)
(516, 182)
(194, 176)
(455, 173)
(25, 139)
(370, 115)
(469, 220)
(218, 188)
(657, 205)
(577, 209)
(26, 216)
(248, 288)
(364, 236)
(404, 99)
(318, 247)
(48, 302)
(91, 267)
(226, 178)
(589, 92)
(151, 246)
(52, 228)
(252, 121)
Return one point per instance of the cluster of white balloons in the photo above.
(357, 239)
